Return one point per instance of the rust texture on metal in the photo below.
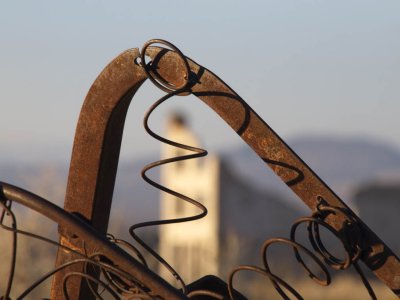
(86, 251)
(95, 154)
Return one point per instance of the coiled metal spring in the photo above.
(172, 90)
(350, 239)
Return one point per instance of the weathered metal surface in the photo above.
(95, 155)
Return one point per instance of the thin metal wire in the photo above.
(277, 281)
(113, 279)
(84, 260)
(90, 278)
(208, 294)
(126, 245)
(7, 210)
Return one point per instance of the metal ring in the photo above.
(157, 79)
(355, 252)
(329, 259)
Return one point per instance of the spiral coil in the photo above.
(196, 153)
(350, 239)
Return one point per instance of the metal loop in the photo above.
(296, 246)
(314, 237)
(154, 76)
(278, 282)
(322, 257)
(350, 240)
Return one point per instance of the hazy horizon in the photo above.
(61, 154)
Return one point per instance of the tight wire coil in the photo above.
(196, 153)
(350, 240)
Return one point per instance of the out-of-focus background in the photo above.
(323, 75)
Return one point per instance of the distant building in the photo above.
(378, 205)
(239, 218)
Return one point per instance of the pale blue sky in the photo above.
(320, 67)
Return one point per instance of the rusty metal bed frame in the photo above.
(84, 220)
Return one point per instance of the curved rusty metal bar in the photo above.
(95, 157)
(98, 138)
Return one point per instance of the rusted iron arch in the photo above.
(98, 139)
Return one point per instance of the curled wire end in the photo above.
(155, 77)
(129, 247)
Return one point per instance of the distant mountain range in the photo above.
(343, 163)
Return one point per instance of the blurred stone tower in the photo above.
(191, 247)
(239, 218)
